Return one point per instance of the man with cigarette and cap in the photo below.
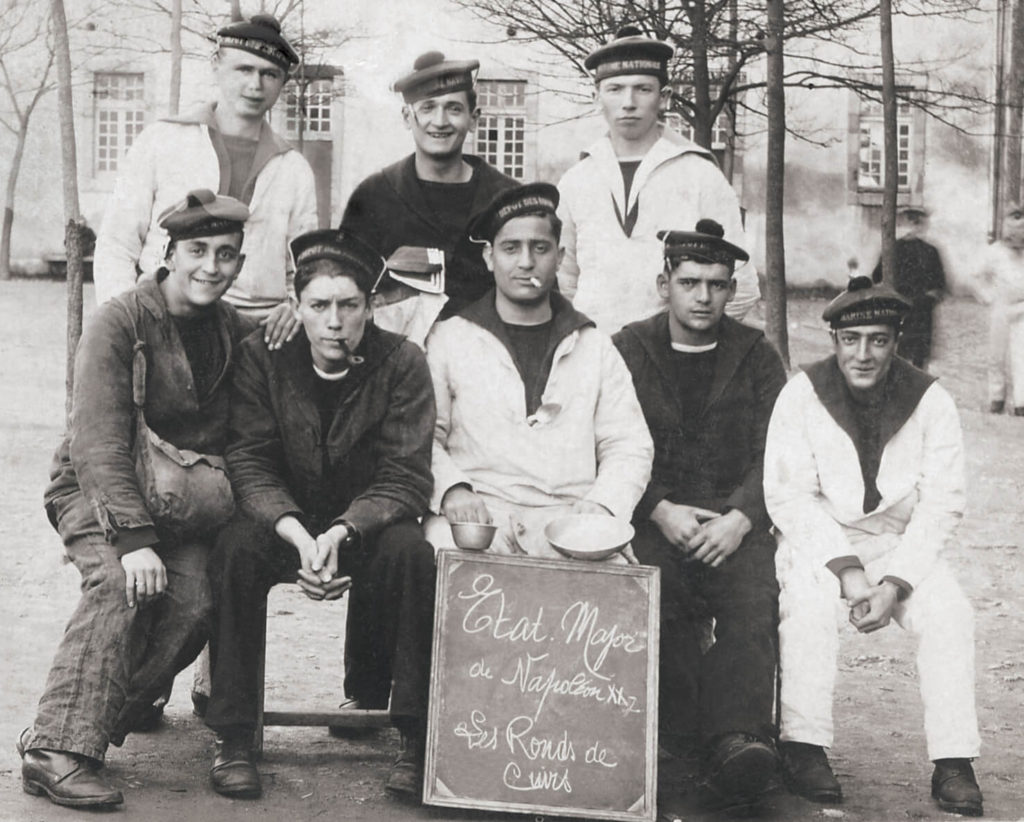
(229, 147)
(425, 201)
(536, 413)
(329, 455)
(864, 480)
(707, 385)
(638, 179)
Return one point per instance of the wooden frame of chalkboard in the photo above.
(543, 687)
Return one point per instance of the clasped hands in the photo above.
(871, 606)
(318, 556)
(705, 536)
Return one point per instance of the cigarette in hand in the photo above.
(535, 282)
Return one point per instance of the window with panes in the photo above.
(501, 130)
(319, 96)
(871, 169)
(120, 116)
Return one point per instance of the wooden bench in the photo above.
(341, 718)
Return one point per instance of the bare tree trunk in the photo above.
(729, 155)
(890, 181)
(175, 96)
(999, 123)
(72, 217)
(701, 75)
(1015, 107)
(776, 327)
(12, 184)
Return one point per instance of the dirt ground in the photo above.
(879, 753)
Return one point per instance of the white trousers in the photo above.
(1006, 356)
(937, 613)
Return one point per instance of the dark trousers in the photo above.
(390, 626)
(731, 688)
(915, 342)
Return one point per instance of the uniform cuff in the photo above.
(131, 539)
(840, 564)
(906, 589)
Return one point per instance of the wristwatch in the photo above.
(352, 537)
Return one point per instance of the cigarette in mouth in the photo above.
(535, 282)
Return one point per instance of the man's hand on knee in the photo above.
(145, 576)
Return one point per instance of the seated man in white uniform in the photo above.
(864, 480)
(536, 411)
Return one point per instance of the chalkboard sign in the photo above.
(543, 687)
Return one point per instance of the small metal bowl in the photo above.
(473, 536)
(588, 536)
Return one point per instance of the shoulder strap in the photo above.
(139, 375)
(138, 360)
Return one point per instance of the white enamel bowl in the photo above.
(588, 536)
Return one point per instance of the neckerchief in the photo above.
(904, 387)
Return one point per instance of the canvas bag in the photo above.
(184, 491)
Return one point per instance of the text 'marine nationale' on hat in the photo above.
(705, 244)
(433, 76)
(866, 303)
(357, 258)
(203, 214)
(630, 52)
(532, 198)
(260, 36)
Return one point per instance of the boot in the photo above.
(233, 773)
(65, 778)
(739, 767)
(807, 772)
(406, 775)
(956, 788)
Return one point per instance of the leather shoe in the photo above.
(806, 771)
(65, 778)
(956, 788)
(739, 766)
(406, 775)
(233, 773)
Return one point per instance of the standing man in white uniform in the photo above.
(638, 179)
(864, 480)
(229, 147)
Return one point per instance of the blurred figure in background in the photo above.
(1000, 284)
(921, 278)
